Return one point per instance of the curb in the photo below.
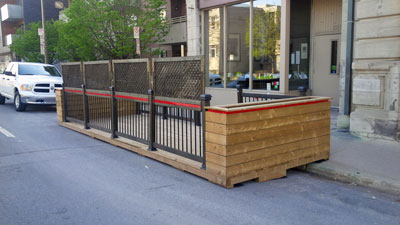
(351, 176)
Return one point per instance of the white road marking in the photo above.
(6, 132)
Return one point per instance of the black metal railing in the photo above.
(243, 97)
(99, 111)
(178, 131)
(133, 117)
(169, 117)
(73, 106)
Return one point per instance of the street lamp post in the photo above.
(46, 58)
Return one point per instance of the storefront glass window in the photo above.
(237, 66)
(299, 59)
(215, 47)
(266, 44)
(237, 49)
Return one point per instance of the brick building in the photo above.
(18, 13)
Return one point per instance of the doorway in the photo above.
(326, 27)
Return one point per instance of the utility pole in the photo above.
(46, 58)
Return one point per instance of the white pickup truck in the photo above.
(29, 83)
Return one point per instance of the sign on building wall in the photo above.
(136, 35)
(136, 32)
(41, 35)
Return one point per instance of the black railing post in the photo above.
(205, 101)
(165, 112)
(64, 105)
(114, 113)
(197, 118)
(85, 108)
(239, 89)
(138, 110)
(152, 121)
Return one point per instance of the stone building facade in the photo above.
(375, 68)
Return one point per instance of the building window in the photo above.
(213, 22)
(163, 53)
(258, 70)
(334, 58)
(213, 51)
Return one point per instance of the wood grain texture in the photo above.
(263, 144)
(265, 114)
(282, 131)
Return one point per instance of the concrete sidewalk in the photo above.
(366, 162)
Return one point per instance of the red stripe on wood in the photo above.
(177, 103)
(74, 91)
(266, 108)
(99, 94)
(130, 97)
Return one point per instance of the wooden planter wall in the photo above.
(262, 140)
(249, 141)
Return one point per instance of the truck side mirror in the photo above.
(8, 73)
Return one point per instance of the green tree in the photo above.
(26, 44)
(96, 30)
(266, 34)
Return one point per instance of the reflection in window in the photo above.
(215, 39)
(237, 51)
(334, 53)
(266, 44)
(213, 51)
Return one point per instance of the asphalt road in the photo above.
(52, 175)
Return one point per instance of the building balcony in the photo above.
(177, 32)
(179, 19)
(8, 39)
(11, 13)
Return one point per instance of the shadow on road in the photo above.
(32, 108)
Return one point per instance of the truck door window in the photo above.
(14, 70)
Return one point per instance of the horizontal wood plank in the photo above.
(265, 114)
(267, 142)
(266, 152)
(244, 127)
(266, 162)
(282, 131)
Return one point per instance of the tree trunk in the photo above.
(272, 64)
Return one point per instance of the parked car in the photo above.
(29, 83)
(215, 80)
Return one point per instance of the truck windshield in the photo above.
(38, 70)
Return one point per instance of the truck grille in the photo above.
(42, 85)
(46, 88)
(41, 90)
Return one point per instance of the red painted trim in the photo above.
(74, 91)
(130, 97)
(178, 104)
(266, 108)
(99, 94)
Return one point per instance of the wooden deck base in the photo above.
(188, 165)
(141, 149)
(272, 173)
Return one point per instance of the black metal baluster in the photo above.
(191, 134)
(174, 128)
(151, 121)
(114, 114)
(205, 101)
(186, 124)
(239, 91)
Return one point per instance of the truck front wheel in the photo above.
(2, 99)
(19, 106)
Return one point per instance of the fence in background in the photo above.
(256, 97)
(159, 102)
